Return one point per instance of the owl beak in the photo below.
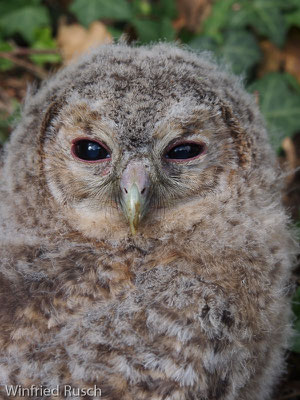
(134, 187)
(133, 204)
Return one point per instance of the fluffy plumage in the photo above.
(195, 304)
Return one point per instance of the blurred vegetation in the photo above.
(237, 32)
(258, 39)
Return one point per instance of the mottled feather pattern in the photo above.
(195, 306)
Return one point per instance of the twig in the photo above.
(37, 71)
(290, 151)
(5, 102)
(23, 51)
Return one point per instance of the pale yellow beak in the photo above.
(133, 204)
(134, 187)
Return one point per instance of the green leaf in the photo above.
(145, 7)
(239, 49)
(147, 30)
(279, 100)
(141, 7)
(269, 21)
(88, 11)
(293, 19)
(218, 19)
(6, 7)
(296, 341)
(24, 20)
(204, 43)
(115, 33)
(296, 304)
(165, 8)
(289, 5)
(44, 41)
(7, 122)
(150, 31)
(4, 63)
(4, 131)
(167, 31)
(185, 35)
(264, 16)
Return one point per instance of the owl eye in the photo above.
(89, 150)
(185, 151)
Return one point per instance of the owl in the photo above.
(145, 252)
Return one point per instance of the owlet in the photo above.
(144, 248)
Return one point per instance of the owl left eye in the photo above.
(89, 150)
(185, 151)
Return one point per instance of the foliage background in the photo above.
(258, 39)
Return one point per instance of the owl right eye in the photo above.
(90, 150)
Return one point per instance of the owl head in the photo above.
(138, 141)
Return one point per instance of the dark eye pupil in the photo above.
(184, 151)
(90, 151)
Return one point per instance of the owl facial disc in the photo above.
(134, 188)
